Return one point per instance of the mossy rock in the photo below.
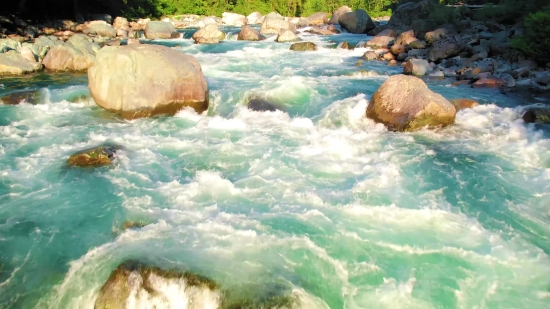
(134, 224)
(303, 46)
(537, 115)
(134, 278)
(99, 156)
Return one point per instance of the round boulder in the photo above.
(417, 67)
(146, 80)
(303, 46)
(287, 36)
(357, 22)
(248, 33)
(160, 30)
(404, 103)
(210, 34)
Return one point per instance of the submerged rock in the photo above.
(31, 96)
(133, 282)
(99, 156)
(160, 30)
(76, 55)
(210, 34)
(357, 22)
(146, 80)
(262, 105)
(248, 33)
(404, 103)
(303, 46)
(461, 104)
(537, 115)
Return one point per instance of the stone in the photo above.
(28, 96)
(392, 63)
(320, 31)
(137, 283)
(12, 63)
(101, 29)
(508, 80)
(339, 12)
(461, 82)
(491, 82)
(274, 26)
(317, 19)
(160, 30)
(147, 80)
(262, 105)
(233, 19)
(417, 67)
(397, 49)
(333, 29)
(357, 22)
(387, 56)
(103, 17)
(303, 46)
(543, 80)
(77, 55)
(417, 44)
(382, 39)
(248, 33)
(94, 157)
(273, 15)
(445, 48)
(9, 44)
(210, 34)
(437, 35)
(370, 55)
(343, 45)
(418, 53)
(404, 103)
(254, 18)
(121, 23)
(537, 115)
(406, 37)
(402, 56)
(287, 36)
(461, 104)
(27, 53)
(132, 41)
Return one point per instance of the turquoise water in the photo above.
(317, 201)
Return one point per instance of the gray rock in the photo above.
(160, 30)
(357, 22)
(417, 67)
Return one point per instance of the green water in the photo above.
(316, 201)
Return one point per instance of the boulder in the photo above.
(397, 49)
(370, 55)
(320, 31)
(388, 56)
(248, 33)
(317, 19)
(274, 26)
(417, 67)
(99, 156)
(48, 41)
(446, 48)
(121, 23)
(12, 63)
(133, 41)
(438, 34)
(408, 12)
(406, 37)
(136, 283)
(357, 22)
(28, 53)
(28, 96)
(334, 20)
(382, 39)
(210, 34)
(76, 55)
(146, 80)
(404, 103)
(537, 115)
(490, 82)
(417, 44)
(233, 19)
(254, 18)
(303, 46)
(160, 30)
(9, 44)
(262, 105)
(287, 36)
(101, 29)
(274, 15)
(343, 45)
(461, 104)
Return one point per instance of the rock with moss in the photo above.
(404, 103)
(537, 115)
(29, 96)
(134, 282)
(94, 157)
(303, 46)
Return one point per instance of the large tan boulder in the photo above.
(357, 22)
(406, 37)
(121, 23)
(233, 19)
(77, 55)
(248, 33)
(339, 12)
(160, 30)
(404, 103)
(13, 63)
(146, 80)
(317, 19)
(254, 18)
(287, 36)
(382, 39)
(210, 34)
(275, 25)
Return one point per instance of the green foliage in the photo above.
(535, 42)
(445, 15)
